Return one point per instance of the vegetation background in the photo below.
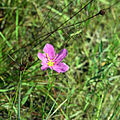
(90, 90)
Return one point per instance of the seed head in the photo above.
(102, 12)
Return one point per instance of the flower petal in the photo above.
(61, 67)
(61, 55)
(49, 49)
(44, 67)
(42, 57)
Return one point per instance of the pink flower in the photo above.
(52, 61)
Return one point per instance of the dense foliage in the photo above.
(89, 30)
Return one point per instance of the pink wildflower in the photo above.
(49, 59)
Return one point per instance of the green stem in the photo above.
(49, 87)
(99, 106)
(19, 97)
(17, 20)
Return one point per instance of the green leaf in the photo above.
(26, 96)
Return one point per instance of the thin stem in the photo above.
(49, 87)
(19, 97)
(99, 105)
(17, 20)
(50, 82)
(57, 102)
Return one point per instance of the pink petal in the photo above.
(44, 67)
(61, 55)
(49, 49)
(42, 57)
(43, 63)
(61, 67)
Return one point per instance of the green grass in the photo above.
(89, 90)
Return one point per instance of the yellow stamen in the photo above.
(48, 57)
(50, 63)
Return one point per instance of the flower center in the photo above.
(50, 63)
